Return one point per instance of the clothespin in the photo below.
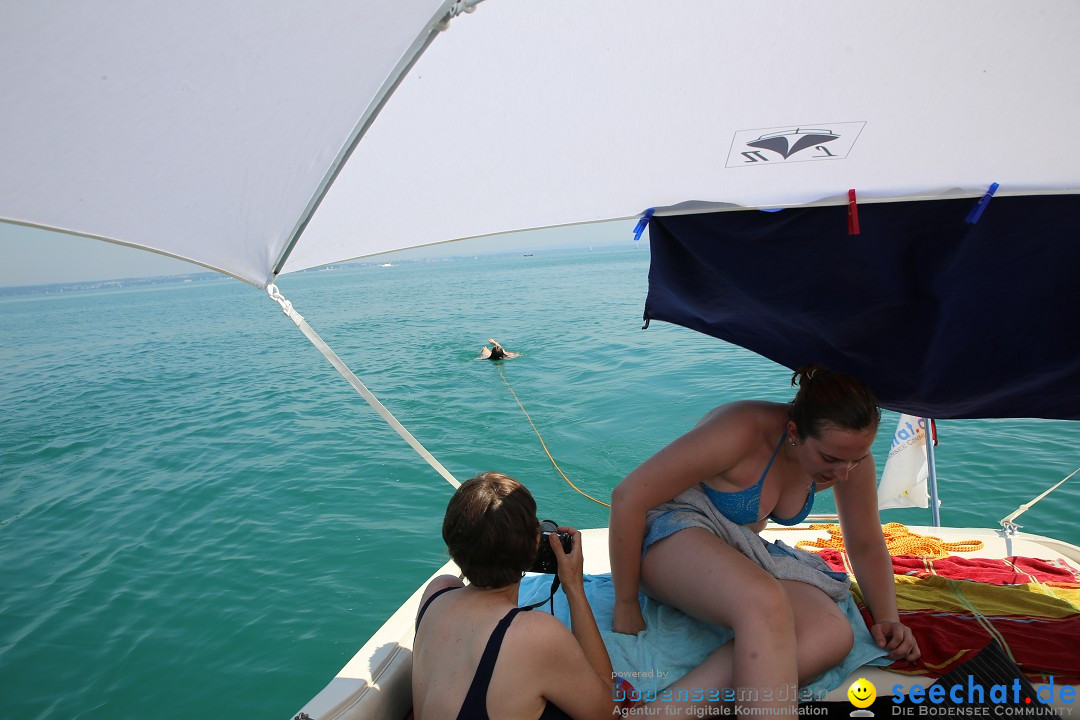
(980, 207)
(852, 214)
(643, 223)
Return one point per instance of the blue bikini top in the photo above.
(743, 506)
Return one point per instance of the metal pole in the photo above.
(931, 473)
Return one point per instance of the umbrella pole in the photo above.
(931, 473)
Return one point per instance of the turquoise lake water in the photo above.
(199, 518)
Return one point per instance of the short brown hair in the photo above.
(828, 397)
(490, 529)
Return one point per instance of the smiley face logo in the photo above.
(862, 693)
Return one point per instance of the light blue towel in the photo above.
(675, 643)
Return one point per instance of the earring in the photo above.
(792, 442)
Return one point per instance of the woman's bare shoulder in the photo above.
(532, 624)
(748, 415)
(538, 634)
(441, 582)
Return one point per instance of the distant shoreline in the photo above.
(210, 275)
(85, 286)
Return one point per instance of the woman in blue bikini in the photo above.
(757, 461)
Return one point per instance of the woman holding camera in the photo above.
(476, 653)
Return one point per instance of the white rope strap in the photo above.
(1011, 527)
(346, 373)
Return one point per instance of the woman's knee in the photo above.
(767, 610)
(829, 633)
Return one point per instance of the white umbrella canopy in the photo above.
(239, 135)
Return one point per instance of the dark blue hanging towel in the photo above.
(941, 318)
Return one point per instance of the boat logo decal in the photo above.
(800, 143)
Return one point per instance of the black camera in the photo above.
(545, 561)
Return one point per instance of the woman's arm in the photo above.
(566, 674)
(709, 449)
(567, 682)
(626, 532)
(856, 505)
(582, 621)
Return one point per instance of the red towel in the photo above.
(1007, 571)
(956, 605)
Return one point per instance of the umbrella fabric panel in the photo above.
(200, 130)
(526, 115)
(209, 131)
(942, 318)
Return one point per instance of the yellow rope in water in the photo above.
(544, 445)
(899, 541)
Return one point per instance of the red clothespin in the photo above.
(852, 214)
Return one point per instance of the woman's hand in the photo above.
(571, 564)
(626, 618)
(898, 639)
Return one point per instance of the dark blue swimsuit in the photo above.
(743, 506)
(475, 705)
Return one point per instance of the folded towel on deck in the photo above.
(674, 643)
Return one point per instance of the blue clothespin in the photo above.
(980, 207)
(643, 223)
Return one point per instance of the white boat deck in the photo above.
(376, 682)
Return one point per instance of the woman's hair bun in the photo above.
(803, 374)
(830, 397)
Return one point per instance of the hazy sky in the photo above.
(29, 256)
